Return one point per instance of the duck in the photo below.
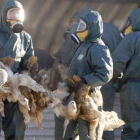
(72, 112)
(3, 77)
(22, 88)
(43, 78)
(37, 118)
(42, 100)
(24, 108)
(3, 80)
(89, 104)
(11, 82)
(52, 78)
(24, 101)
(89, 112)
(16, 80)
(25, 80)
(112, 121)
(38, 103)
(32, 103)
(25, 113)
(88, 109)
(8, 61)
(68, 112)
(33, 66)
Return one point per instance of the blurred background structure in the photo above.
(47, 20)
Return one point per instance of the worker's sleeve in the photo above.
(101, 64)
(121, 56)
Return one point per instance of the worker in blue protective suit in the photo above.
(65, 55)
(90, 63)
(16, 43)
(111, 37)
(91, 60)
(126, 59)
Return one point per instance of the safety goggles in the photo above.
(15, 14)
(72, 22)
(82, 26)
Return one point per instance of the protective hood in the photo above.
(111, 36)
(94, 25)
(82, 12)
(8, 5)
(135, 19)
(68, 47)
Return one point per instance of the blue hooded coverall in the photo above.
(126, 59)
(91, 61)
(18, 46)
(111, 37)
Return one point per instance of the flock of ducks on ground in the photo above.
(36, 90)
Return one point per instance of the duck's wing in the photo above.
(113, 123)
(7, 69)
(5, 89)
(60, 94)
(25, 80)
(65, 126)
(8, 61)
(3, 77)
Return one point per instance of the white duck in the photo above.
(10, 82)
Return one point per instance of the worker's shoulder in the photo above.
(26, 35)
(2, 31)
(109, 26)
(96, 47)
(132, 37)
